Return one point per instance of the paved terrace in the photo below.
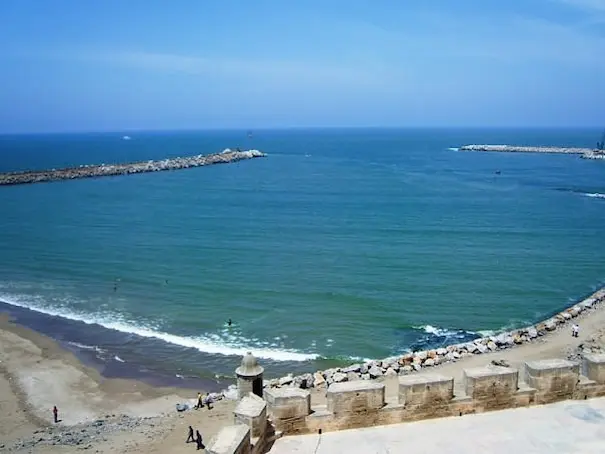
(564, 427)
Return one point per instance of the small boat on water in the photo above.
(125, 137)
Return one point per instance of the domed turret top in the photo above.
(249, 367)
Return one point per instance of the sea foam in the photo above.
(207, 344)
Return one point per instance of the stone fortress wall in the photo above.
(355, 404)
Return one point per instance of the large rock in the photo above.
(406, 369)
(421, 355)
(363, 369)
(390, 372)
(429, 362)
(339, 377)
(492, 346)
(482, 348)
(318, 380)
(375, 371)
(286, 380)
(532, 332)
(550, 325)
(352, 368)
(352, 376)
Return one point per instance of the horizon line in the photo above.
(288, 128)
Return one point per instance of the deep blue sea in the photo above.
(341, 244)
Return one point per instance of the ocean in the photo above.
(342, 244)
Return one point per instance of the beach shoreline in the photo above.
(37, 372)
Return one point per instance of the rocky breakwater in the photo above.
(524, 149)
(415, 361)
(104, 170)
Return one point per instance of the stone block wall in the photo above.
(553, 379)
(357, 404)
(492, 388)
(355, 396)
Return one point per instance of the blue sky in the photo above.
(73, 65)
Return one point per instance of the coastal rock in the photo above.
(318, 380)
(532, 332)
(429, 362)
(421, 355)
(406, 359)
(390, 372)
(492, 346)
(286, 380)
(550, 325)
(352, 376)
(352, 368)
(339, 377)
(416, 367)
(366, 377)
(565, 315)
(471, 347)
(406, 369)
(375, 372)
(482, 348)
(441, 351)
(363, 369)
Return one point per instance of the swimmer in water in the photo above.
(229, 322)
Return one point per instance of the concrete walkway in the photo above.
(565, 427)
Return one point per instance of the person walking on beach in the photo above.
(190, 437)
(198, 440)
(575, 330)
(56, 414)
(200, 401)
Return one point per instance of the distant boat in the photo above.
(126, 138)
(249, 134)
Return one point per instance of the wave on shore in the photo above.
(232, 345)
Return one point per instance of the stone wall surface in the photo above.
(361, 403)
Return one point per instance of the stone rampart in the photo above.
(362, 403)
(355, 404)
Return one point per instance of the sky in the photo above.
(73, 65)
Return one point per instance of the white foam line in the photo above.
(198, 343)
(595, 195)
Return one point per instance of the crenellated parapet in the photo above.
(363, 404)
(356, 404)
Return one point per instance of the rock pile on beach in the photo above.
(84, 436)
(415, 361)
(92, 171)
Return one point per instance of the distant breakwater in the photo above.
(106, 170)
(587, 153)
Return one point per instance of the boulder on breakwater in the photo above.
(102, 170)
(415, 361)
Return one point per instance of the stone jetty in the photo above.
(104, 170)
(587, 153)
(415, 361)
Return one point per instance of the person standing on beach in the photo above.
(190, 437)
(575, 330)
(200, 401)
(56, 414)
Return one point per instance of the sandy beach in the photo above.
(105, 415)
(115, 415)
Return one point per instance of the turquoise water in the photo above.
(340, 244)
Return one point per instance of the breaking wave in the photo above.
(224, 344)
